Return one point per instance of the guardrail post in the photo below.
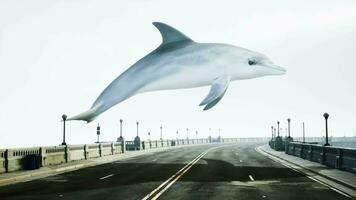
(86, 152)
(43, 156)
(66, 153)
(6, 160)
(301, 150)
(123, 145)
(310, 152)
(322, 155)
(112, 148)
(338, 164)
(100, 150)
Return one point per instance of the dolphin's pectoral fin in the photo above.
(170, 34)
(217, 91)
(87, 116)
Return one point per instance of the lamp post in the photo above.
(161, 132)
(64, 117)
(303, 133)
(272, 131)
(278, 128)
(288, 127)
(187, 133)
(177, 135)
(219, 132)
(137, 129)
(120, 128)
(98, 133)
(326, 116)
(149, 136)
(196, 134)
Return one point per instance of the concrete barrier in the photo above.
(13, 159)
(77, 152)
(54, 155)
(331, 156)
(2, 161)
(348, 160)
(93, 151)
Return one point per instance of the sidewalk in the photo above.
(27, 175)
(329, 176)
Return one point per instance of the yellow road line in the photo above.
(168, 183)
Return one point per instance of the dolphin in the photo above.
(179, 62)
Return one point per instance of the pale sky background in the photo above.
(57, 56)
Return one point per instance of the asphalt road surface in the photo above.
(215, 171)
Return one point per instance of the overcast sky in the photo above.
(57, 56)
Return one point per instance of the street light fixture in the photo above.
(120, 128)
(161, 132)
(288, 127)
(187, 133)
(196, 134)
(326, 116)
(272, 131)
(303, 133)
(64, 117)
(98, 132)
(137, 128)
(278, 128)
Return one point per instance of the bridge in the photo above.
(201, 168)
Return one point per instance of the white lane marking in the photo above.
(176, 176)
(251, 178)
(334, 189)
(154, 160)
(106, 176)
(299, 170)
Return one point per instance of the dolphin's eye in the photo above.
(251, 62)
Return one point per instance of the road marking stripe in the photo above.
(299, 170)
(170, 178)
(106, 176)
(175, 177)
(251, 178)
(334, 189)
(174, 180)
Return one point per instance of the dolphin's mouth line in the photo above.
(275, 68)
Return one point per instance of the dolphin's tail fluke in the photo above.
(87, 116)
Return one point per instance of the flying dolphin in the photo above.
(179, 62)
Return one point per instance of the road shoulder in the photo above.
(29, 175)
(340, 181)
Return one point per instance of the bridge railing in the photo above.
(331, 156)
(2, 161)
(14, 159)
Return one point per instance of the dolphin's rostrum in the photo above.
(179, 62)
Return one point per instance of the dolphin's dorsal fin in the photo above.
(170, 34)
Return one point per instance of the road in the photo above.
(215, 171)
